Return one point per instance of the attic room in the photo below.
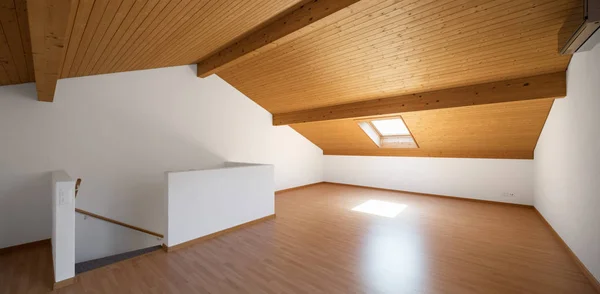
(293, 146)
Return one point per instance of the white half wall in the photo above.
(567, 161)
(203, 202)
(120, 133)
(63, 226)
(485, 179)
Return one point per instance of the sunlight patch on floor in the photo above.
(381, 208)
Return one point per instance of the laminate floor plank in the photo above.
(318, 244)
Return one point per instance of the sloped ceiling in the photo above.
(109, 36)
(388, 48)
(506, 130)
(373, 49)
(16, 63)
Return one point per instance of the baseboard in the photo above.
(297, 188)
(63, 283)
(216, 234)
(432, 195)
(23, 246)
(582, 267)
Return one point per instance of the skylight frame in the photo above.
(379, 140)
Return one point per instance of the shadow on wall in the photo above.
(25, 207)
(121, 153)
(129, 185)
(24, 91)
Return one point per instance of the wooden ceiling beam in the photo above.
(310, 16)
(48, 24)
(553, 85)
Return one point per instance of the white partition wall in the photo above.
(203, 202)
(63, 226)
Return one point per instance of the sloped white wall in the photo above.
(567, 161)
(120, 133)
(485, 179)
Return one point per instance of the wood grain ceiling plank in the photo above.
(219, 28)
(84, 9)
(204, 40)
(340, 51)
(150, 22)
(400, 74)
(212, 35)
(504, 130)
(108, 16)
(12, 33)
(351, 34)
(437, 82)
(7, 59)
(296, 21)
(536, 87)
(4, 79)
(340, 34)
(146, 30)
(331, 95)
(125, 8)
(279, 74)
(125, 33)
(187, 36)
(180, 26)
(121, 32)
(178, 16)
(50, 22)
(258, 13)
(361, 10)
(90, 31)
(216, 36)
(21, 7)
(502, 44)
(441, 81)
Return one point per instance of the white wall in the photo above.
(567, 161)
(203, 202)
(120, 133)
(486, 179)
(63, 225)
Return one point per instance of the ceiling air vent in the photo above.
(587, 27)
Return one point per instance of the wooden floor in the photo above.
(317, 244)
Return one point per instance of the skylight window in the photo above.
(391, 127)
(389, 132)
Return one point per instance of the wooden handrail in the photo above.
(118, 222)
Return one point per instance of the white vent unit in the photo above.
(589, 25)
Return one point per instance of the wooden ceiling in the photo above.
(507, 130)
(16, 63)
(123, 35)
(388, 48)
(107, 36)
(324, 62)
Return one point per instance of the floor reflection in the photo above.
(393, 261)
